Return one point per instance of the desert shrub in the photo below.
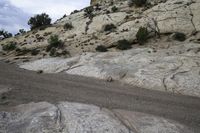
(138, 3)
(114, 9)
(5, 34)
(39, 20)
(22, 51)
(75, 11)
(107, 12)
(109, 27)
(142, 35)
(22, 31)
(179, 36)
(48, 48)
(64, 16)
(52, 52)
(123, 45)
(89, 12)
(55, 42)
(61, 53)
(35, 52)
(68, 26)
(10, 46)
(101, 48)
(65, 52)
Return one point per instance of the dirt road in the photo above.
(28, 86)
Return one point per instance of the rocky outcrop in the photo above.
(173, 70)
(162, 16)
(68, 117)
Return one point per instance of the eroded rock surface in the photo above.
(173, 70)
(68, 117)
(164, 16)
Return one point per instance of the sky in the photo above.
(14, 14)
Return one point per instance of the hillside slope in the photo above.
(163, 17)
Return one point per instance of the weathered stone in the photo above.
(81, 118)
(173, 70)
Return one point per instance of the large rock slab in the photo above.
(68, 117)
(145, 123)
(173, 70)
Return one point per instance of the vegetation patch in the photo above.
(68, 26)
(4, 34)
(75, 11)
(52, 52)
(101, 48)
(142, 35)
(109, 27)
(10, 46)
(40, 20)
(55, 42)
(179, 36)
(123, 45)
(89, 12)
(35, 52)
(137, 3)
(22, 51)
(114, 9)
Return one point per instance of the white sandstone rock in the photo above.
(174, 70)
(81, 118)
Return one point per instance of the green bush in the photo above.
(10, 46)
(123, 45)
(114, 9)
(142, 35)
(5, 34)
(52, 52)
(35, 52)
(109, 27)
(101, 48)
(22, 31)
(55, 42)
(138, 3)
(75, 11)
(22, 51)
(89, 12)
(68, 26)
(179, 36)
(39, 20)
(48, 48)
